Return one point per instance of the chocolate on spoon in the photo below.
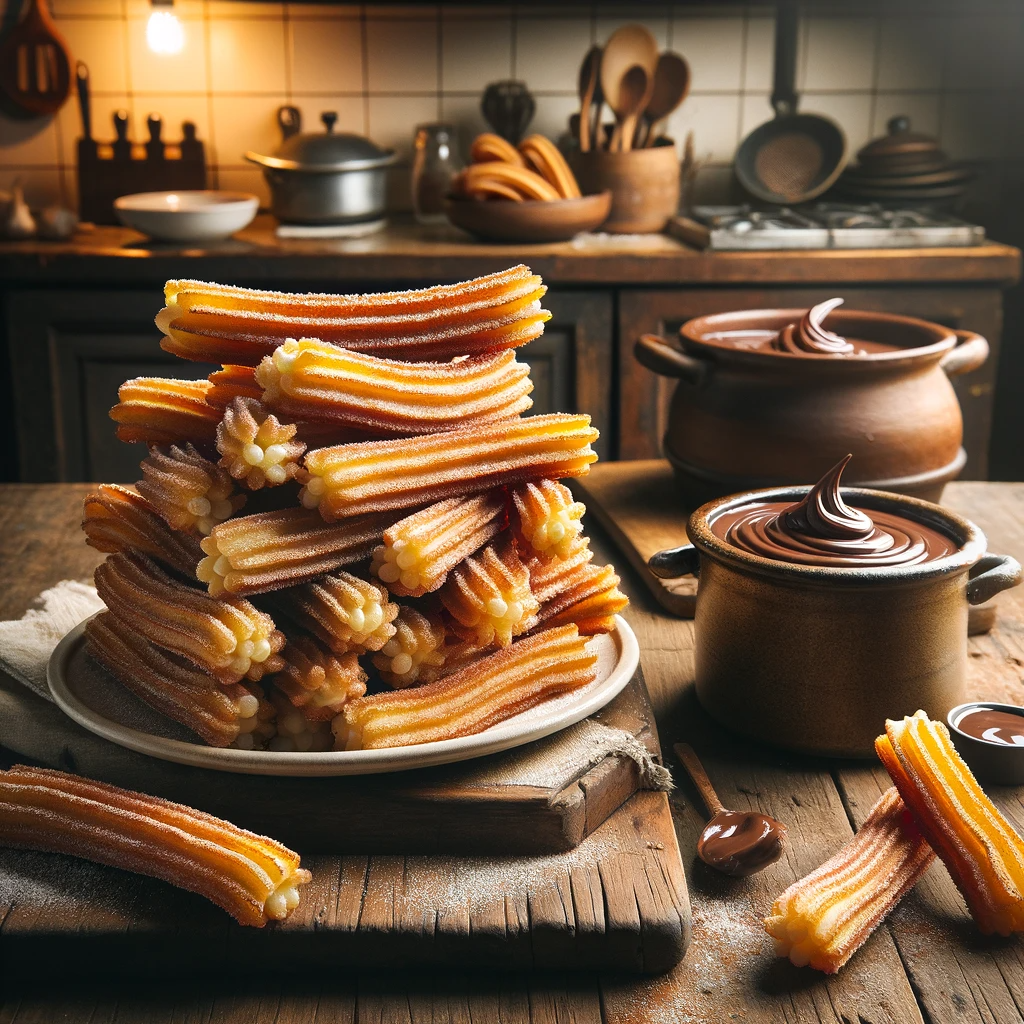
(737, 843)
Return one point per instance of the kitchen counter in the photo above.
(926, 963)
(405, 251)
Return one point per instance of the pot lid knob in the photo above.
(329, 117)
(897, 124)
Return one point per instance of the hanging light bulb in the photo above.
(164, 33)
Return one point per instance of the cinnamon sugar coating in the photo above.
(255, 447)
(574, 590)
(157, 410)
(253, 878)
(415, 654)
(317, 680)
(547, 518)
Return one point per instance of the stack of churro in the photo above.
(535, 170)
(353, 503)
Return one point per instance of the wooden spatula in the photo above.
(35, 66)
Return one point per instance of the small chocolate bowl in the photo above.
(814, 658)
(991, 761)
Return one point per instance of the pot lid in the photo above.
(900, 143)
(326, 152)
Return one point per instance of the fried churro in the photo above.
(217, 714)
(229, 638)
(473, 699)
(317, 680)
(476, 179)
(253, 878)
(157, 410)
(231, 382)
(192, 493)
(116, 519)
(258, 553)
(415, 654)
(578, 592)
(311, 380)
(547, 518)
(487, 147)
(823, 919)
(549, 578)
(296, 732)
(419, 551)
(488, 596)
(379, 475)
(543, 156)
(981, 850)
(255, 447)
(239, 326)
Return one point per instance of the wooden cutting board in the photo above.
(618, 901)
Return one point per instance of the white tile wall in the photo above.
(385, 69)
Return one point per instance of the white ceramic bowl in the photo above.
(201, 216)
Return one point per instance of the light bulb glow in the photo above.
(164, 33)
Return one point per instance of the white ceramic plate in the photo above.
(198, 216)
(97, 702)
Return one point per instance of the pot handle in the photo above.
(970, 352)
(989, 576)
(657, 355)
(672, 563)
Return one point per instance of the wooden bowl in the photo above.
(498, 220)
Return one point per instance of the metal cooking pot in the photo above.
(324, 177)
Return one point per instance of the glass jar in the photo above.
(435, 162)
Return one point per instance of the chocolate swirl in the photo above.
(823, 530)
(808, 335)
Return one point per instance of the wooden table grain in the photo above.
(926, 964)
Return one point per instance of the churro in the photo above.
(543, 156)
(218, 714)
(157, 410)
(374, 476)
(255, 447)
(488, 596)
(579, 592)
(343, 611)
(415, 654)
(228, 638)
(231, 382)
(311, 380)
(473, 699)
(316, 679)
(547, 518)
(981, 850)
(239, 326)
(295, 731)
(487, 146)
(253, 878)
(116, 519)
(258, 553)
(549, 578)
(419, 551)
(529, 184)
(823, 919)
(192, 493)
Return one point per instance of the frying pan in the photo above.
(794, 157)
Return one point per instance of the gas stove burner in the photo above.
(834, 226)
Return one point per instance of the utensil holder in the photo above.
(644, 184)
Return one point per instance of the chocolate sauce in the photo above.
(1001, 727)
(741, 843)
(823, 530)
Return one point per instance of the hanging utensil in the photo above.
(35, 65)
(671, 87)
(86, 144)
(589, 79)
(508, 108)
(289, 120)
(794, 157)
(628, 103)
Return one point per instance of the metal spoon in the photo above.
(737, 843)
(671, 86)
(627, 105)
(589, 85)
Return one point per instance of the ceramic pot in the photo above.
(644, 184)
(742, 419)
(815, 659)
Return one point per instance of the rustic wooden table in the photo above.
(927, 963)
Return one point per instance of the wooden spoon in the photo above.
(629, 103)
(627, 46)
(671, 86)
(35, 66)
(589, 83)
(737, 843)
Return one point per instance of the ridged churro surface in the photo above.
(218, 714)
(255, 554)
(485, 692)
(419, 551)
(157, 410)
(575, 590)
(295, 730)
(192, 493)
(253, 878)
(231, 382)
(255, 446)
(981, 850)
(116, 519)
(375, 476)
(488, 595)
(312, 380)
(823, 919)
(415, 654)
(229, 638)
(316, 679)
(548, 518)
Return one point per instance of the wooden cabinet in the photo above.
(644, 398)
